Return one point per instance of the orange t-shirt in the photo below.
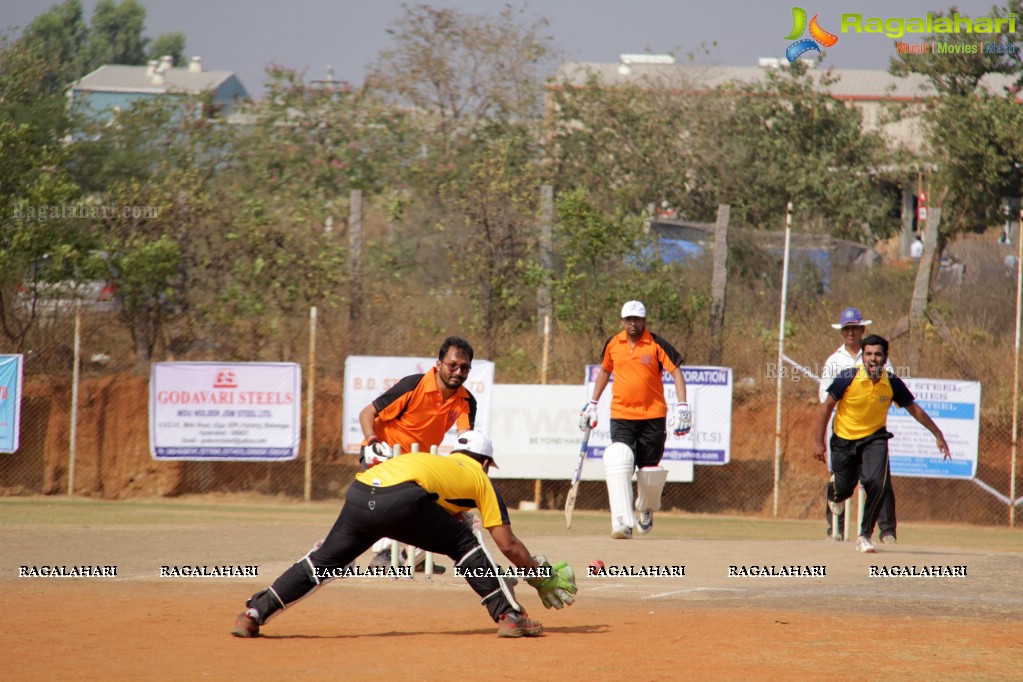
(414, 411)
(637, 391)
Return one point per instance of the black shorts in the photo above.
(646, 437)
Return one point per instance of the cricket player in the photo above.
(859, 444)
(422, 499)
(418, 410)
(638, 418)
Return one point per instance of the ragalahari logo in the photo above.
(818, 36)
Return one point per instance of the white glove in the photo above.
(681, 419)
(375, 453)
(588, 416)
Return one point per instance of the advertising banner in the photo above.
(955, 408)
(709, 393)
(223, 411)
(10, 401)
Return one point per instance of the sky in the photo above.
(244, 36)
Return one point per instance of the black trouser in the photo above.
(405, 512)
(885, 519)
(645, 437)
(865, 459)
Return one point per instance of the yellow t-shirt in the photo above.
(862, 404)
(456, 479)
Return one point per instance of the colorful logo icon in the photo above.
(818, 36)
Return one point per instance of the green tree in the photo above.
(629, 146)
(60, 33)
(496, 199)
(971, 127)
(34, 187)
(168, 45)
(293, 167)
(960, 74)
(115, 36)
(759, 145)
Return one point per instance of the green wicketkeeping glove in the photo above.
(557, 590)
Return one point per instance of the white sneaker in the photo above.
(645, 521)
(888, 539)
(622, 533)
(863, 544)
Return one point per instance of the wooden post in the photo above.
(310, 401)
(921, 288)
(718, 285)
(75, 378)
(355, 267)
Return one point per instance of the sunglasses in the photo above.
(454, 367)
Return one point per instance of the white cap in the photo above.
(633, 309)
(475, 443)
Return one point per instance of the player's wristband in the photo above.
(372, 440)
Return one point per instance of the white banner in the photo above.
(536, 435)
(10, 402)
(241, 411)
(955, 408)
(709, 393)
(367, 376)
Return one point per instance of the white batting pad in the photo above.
(618, 465)
(649, 486)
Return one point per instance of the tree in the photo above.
(760, 145)
(459, 73)
(497, 199)
(629, 146)
(115, 36)
(269, 256)
(35, 186)
(971, 127)
(960, 73)
(62, 34)
(167, 45)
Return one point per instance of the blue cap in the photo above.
(851, 317)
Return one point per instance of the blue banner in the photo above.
(10, 402)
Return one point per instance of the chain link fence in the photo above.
(111, 457)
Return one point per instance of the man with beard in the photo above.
(419, 409)
(863, 394)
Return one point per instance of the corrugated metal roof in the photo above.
(853, 84)
(118, 78)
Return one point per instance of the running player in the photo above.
(638, 418)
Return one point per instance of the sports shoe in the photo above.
(645, 521)
(245, 626)
(622, 533)
(888, 539)
(863, 544)
(518, 624)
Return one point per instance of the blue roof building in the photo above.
(115, 87)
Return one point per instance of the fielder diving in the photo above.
(424, 500)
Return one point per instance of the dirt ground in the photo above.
(703, 625)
